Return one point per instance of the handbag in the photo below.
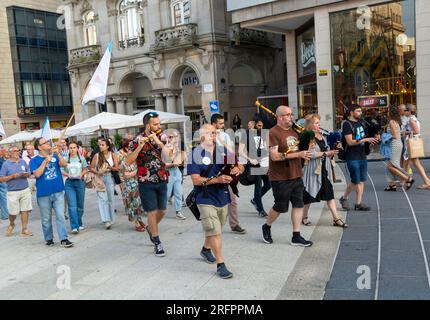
(246, 178)
(415, 147)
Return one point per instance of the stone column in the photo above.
(290, 43)
(159, 102)
(110, 105)
(171, 103)
(120, 106)
(129, 106)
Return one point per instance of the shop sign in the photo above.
(373, 101)
(306, 54)
(323, 72)
(58, 124)
(30, 126)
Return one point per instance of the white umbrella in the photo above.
(101, 121)
(29, 136)
(165, 117)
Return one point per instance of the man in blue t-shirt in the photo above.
(356, 159)
(212, 194)
(50, 189)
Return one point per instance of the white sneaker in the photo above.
(180, 216)
(75, 231)
(81, 228)
(108, 225)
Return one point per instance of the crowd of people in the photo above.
(148, 170)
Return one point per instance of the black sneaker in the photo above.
(159, 251)
(361, 207)
(344, 203)
(207, 256)
(66, 243)
(50, 243)
(223, 272)
(238, 229)
(262, 214)
(267, 234)
(301, 242)
(254, 204)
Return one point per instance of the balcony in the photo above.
(84, 55)
(134, 42)
(176, 37)
(240, 35)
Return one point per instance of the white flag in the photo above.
(46, 130)
(96, 90)
(2, 132)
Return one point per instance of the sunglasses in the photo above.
(153, 114)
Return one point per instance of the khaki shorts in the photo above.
(213, 219)
(18, 201)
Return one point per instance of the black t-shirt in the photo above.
(357, 130)
(256, 145)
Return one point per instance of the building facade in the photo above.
(172, 55)
(34, 80)
(374, 53)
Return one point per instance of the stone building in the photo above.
(174, 56)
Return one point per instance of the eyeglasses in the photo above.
(287, 115)
(41, 144)
(171, 137)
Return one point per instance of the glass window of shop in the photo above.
(374, 60)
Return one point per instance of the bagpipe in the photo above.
(226, 171)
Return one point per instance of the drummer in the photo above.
(253, 149)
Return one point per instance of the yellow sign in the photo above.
(58, 124)
(323, 72)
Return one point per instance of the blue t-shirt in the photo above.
(51, 181)
(217, 194)
(11, 167)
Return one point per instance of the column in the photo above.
(110, 105)
(159, 102)
(120, 106)
(324, 83)
(291, 56)
(129, 106)
(423, 67)
(171, 103)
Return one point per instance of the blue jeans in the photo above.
(75, 193)
(260, 190)
(106, 199)
(46, 204)
(175, 184)
(3, 201)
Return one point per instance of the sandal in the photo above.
(341, 225)
(139, 229)
(9, 230)
(409, 183)
(424, 187)
(308, 223)
(26, 232)
(391, 188)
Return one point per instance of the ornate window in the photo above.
(131, 24)
(90, 32)
(181, 12)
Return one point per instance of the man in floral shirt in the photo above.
(152, 176)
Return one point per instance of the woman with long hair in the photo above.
(413, 127)
(318, 173)
(393, 165)
(75, 186)
(130, 189)
(103, 163)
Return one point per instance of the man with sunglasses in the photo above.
(46, 167)
(152, 175)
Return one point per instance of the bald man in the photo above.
(285, 175)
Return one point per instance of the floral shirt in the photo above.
(150, 168)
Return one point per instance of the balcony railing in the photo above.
(85, 55)
(179, 36)
(240, 35)
(133, 42)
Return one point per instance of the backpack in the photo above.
(342, 152)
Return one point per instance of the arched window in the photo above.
(181, 12)
(130, 23)
(90, 32)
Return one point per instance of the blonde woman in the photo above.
(318, 174)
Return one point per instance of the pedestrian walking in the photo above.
(396, 146)
(15, 172)
(356, 159)
(285, 174)
(318, 173)
(50, 190)
(103, 163)
(4, 155)
(130, 190)
(212, 194)
(75, 187)
(224, 141)
(152, 175)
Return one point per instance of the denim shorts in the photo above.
(153, 196)
(357, 170)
